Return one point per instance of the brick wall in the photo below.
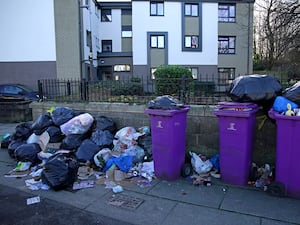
(202, 134)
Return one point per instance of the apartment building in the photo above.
(48, 39)
(208, 37)
(115, 40)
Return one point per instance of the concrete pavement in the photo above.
(169, 203)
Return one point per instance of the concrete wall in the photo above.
(202, 134)
(67, 39)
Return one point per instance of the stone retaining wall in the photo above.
(202, 133)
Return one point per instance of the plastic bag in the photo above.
(55, 134)
(128, 136)
(280, 104)
(255, 88)
(72, 141)
(165, 102)
(28, 153)
(13, 145)
(104, 139)
(42, 123)
(22, 131)
(105, 123)
(199, 165)
(102, 157)
(42, 140)
(145, 142)
(61, 115)
(6, 139)
(60, 171)
(136, 152)
(124, 163)
(78, 125)
(293, 93)
(87, 150)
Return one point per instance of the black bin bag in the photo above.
(293, 93)
(28, 153)
(165, 102)
(60, 171)
(259, 89)
(87, 150)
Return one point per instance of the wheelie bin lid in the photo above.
(278, 116)
(239, 109)
(163, 112)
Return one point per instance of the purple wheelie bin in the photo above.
(168, 130)
(236, 132)
(287, 152)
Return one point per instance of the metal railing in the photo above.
(208, 90)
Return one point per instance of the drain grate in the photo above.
(125, 201)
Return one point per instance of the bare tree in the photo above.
(277, 31)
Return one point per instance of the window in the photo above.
(191, 42)
(97, 42)
(106, 46)
(153, 69)
(226, 75)
(194, 71)
(226, 12)
(156, 8)
(191, 9)
(126, 31)
(106, 15)
(226, 45)
(88, 38)
(157, 41)
(121, 68)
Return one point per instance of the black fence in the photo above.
(207, 90)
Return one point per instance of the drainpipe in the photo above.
(248, 49)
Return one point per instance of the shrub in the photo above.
(168, 79)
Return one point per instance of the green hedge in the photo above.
(168, 79)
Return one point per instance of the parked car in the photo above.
(17, 92)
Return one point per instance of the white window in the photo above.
(191, 9)
(157, 41)
(156, 8)
(191, 41)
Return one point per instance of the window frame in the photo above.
(226, 51)
(156, 4)
(88, 38)
(108, 43)
(155, 41)
(152, 71)
(105, 17)
(226, 71)
(228, 18)
(190, 7)
(122, 68)
(191, 45)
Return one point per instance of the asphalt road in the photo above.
(15, 211)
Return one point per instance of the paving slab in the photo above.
(184, 191)
(195, 215)
(261, 204)
(152, 211)
(274, 222)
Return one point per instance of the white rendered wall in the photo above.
(171, 23)
(112, 30)
(27, 31)
(91, 22)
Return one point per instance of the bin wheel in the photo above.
(276, 189)
(186, 170)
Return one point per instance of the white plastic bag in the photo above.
(199, 165)
(78, 125)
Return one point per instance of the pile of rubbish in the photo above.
(63, 148)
